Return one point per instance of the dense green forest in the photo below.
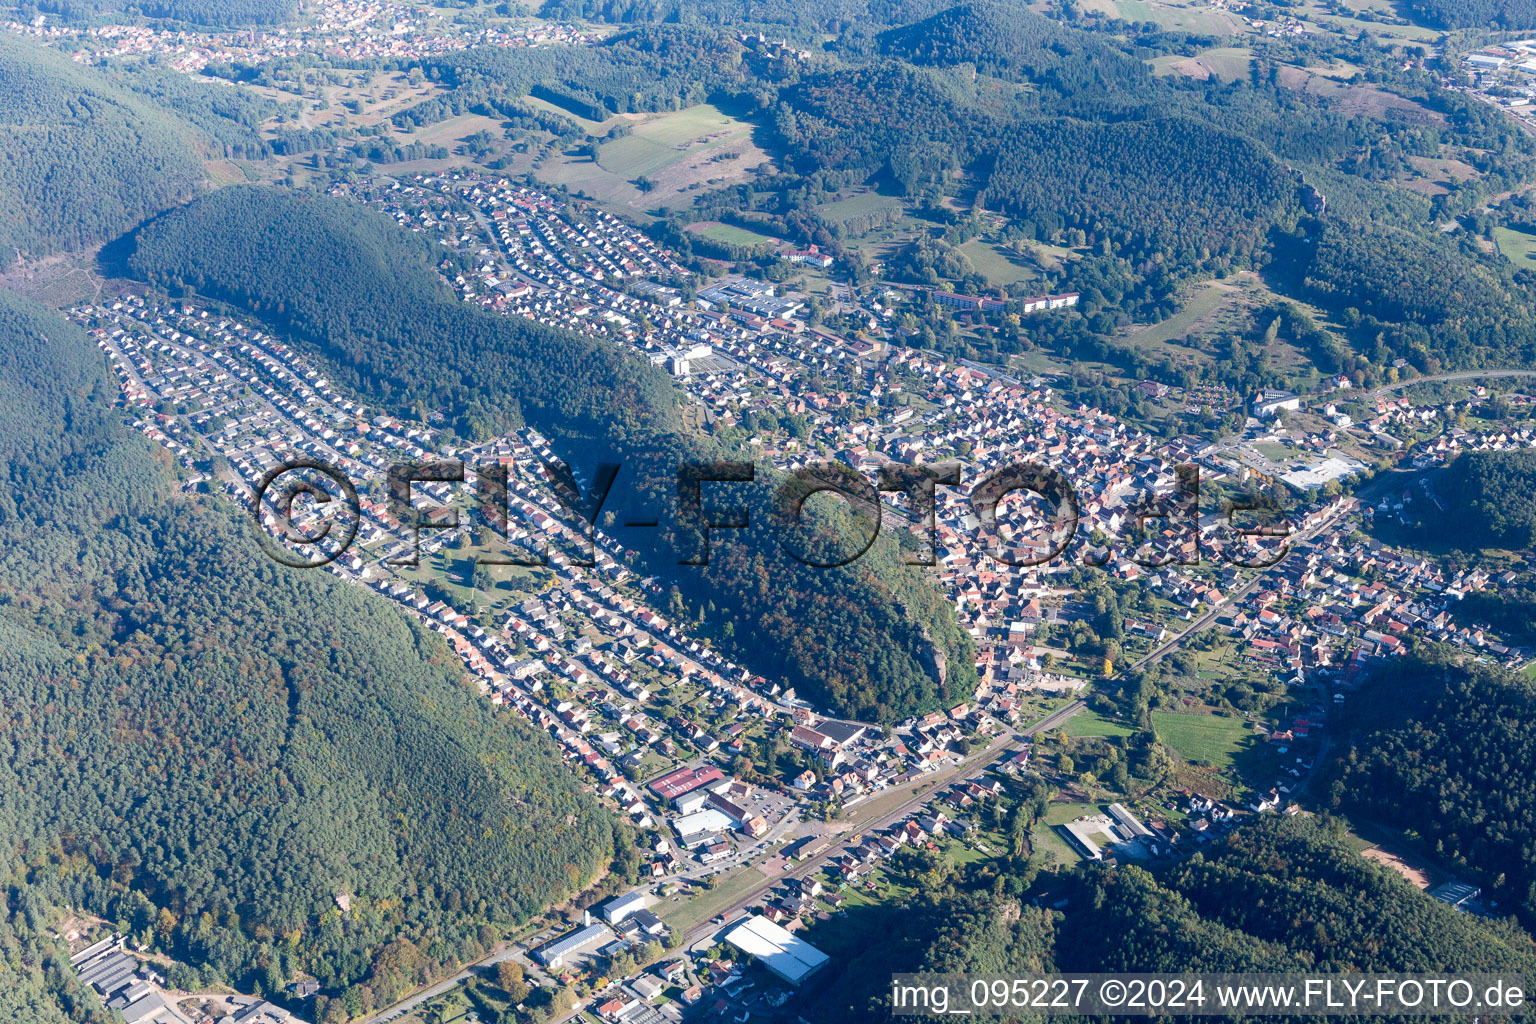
(650, 67)
(1510, 610)
(80, 159)
(1445, 750)
(225, 116)
(833, 16)
(211, 750)
(211, 13)
(1426, 298)
(1172, 186)
(1276, 895)
(1491, 499)
(1499, 14)
(1008, 40)
(873, 638)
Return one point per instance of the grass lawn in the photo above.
(999, 267)
(1209, 739)
(1051, 847)
(1517, 246)
(1180, 17)
(730, 234)
(660, 142)
(1059, 813)
(1048, 840)
(1091, 723)
(1275, 452)
(1197, 307)
(729, 888)
(859, 205)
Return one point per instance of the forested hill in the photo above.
(1491, 498)
(1278, 895)
(210, 13)
(1451, 14)
(382, 314)
(1171, 186)
(1447, 751)
(1005, 39)
(874, 638)
(209, 749)
(81, 160)
(831, 16)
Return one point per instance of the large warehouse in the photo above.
(785, 954)
(582, 940)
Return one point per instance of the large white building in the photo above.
(693, 829)
(785, 954)
(620, 907)
(1267, 403)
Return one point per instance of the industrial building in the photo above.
(786, 955)
(553, 954)
(693, 829)
(1130, 825)
(620, 907)
(122, 983)
(685, 780)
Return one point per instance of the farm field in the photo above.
(1227, 63)
(1210, 739)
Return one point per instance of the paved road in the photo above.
(1463, 375)
(410, 1003)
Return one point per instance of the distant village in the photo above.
(344, 29)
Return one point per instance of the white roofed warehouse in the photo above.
(787, 955)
